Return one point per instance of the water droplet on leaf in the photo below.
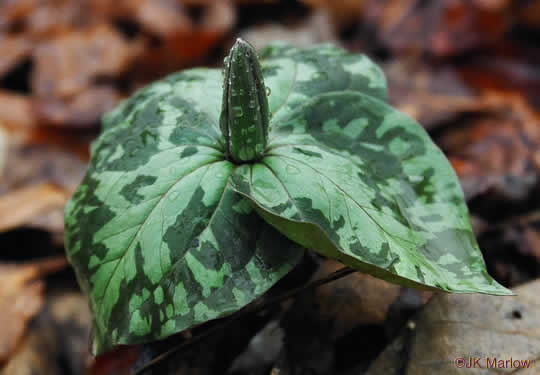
(319, 75)
(292, 169)
(238, 112)
(268, 91)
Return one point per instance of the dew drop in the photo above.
(251, 128)
(319, 75)
(233, 92)
(243, 131)
(172, 196)
(292, 169)
(237, 111)
(251, 103)
(258, 148)
(268, 91)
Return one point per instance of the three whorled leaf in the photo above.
(166, 233)
(159, 241)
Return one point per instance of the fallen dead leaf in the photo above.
(185, 41)
(41, 170)
(72, 62)
(532, 241)
(3, 150)
(44, 157)
(119, 361)
(343, 12)
(430, 95)
(496, 151)
(530, 14)
(463, 326)
(13, 49)
(161, 16)
(440, 27)
(16, 112)
(82, 110)
(25, 204)
(21, 298)
(353, 300)
(72, 319)
(51, 18)
(37, 353)
(13, 11)
(319, 320)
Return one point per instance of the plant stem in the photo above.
(254, 308)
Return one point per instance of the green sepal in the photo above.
(244, 116)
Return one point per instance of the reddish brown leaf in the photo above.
(13, 11)
(343, 11)
(431, 95)
(24, 205)
(16, 111)
(440, 27)
(13, 49)
(457, 326)
(81, 110)
(189, 41)
(493, 152)
(73, 61)
(117, 362)
(21, 298)
(499, 150)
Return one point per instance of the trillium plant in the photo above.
(206, 187)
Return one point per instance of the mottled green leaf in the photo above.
(159, 241)
(293, 76)
(354, 179)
